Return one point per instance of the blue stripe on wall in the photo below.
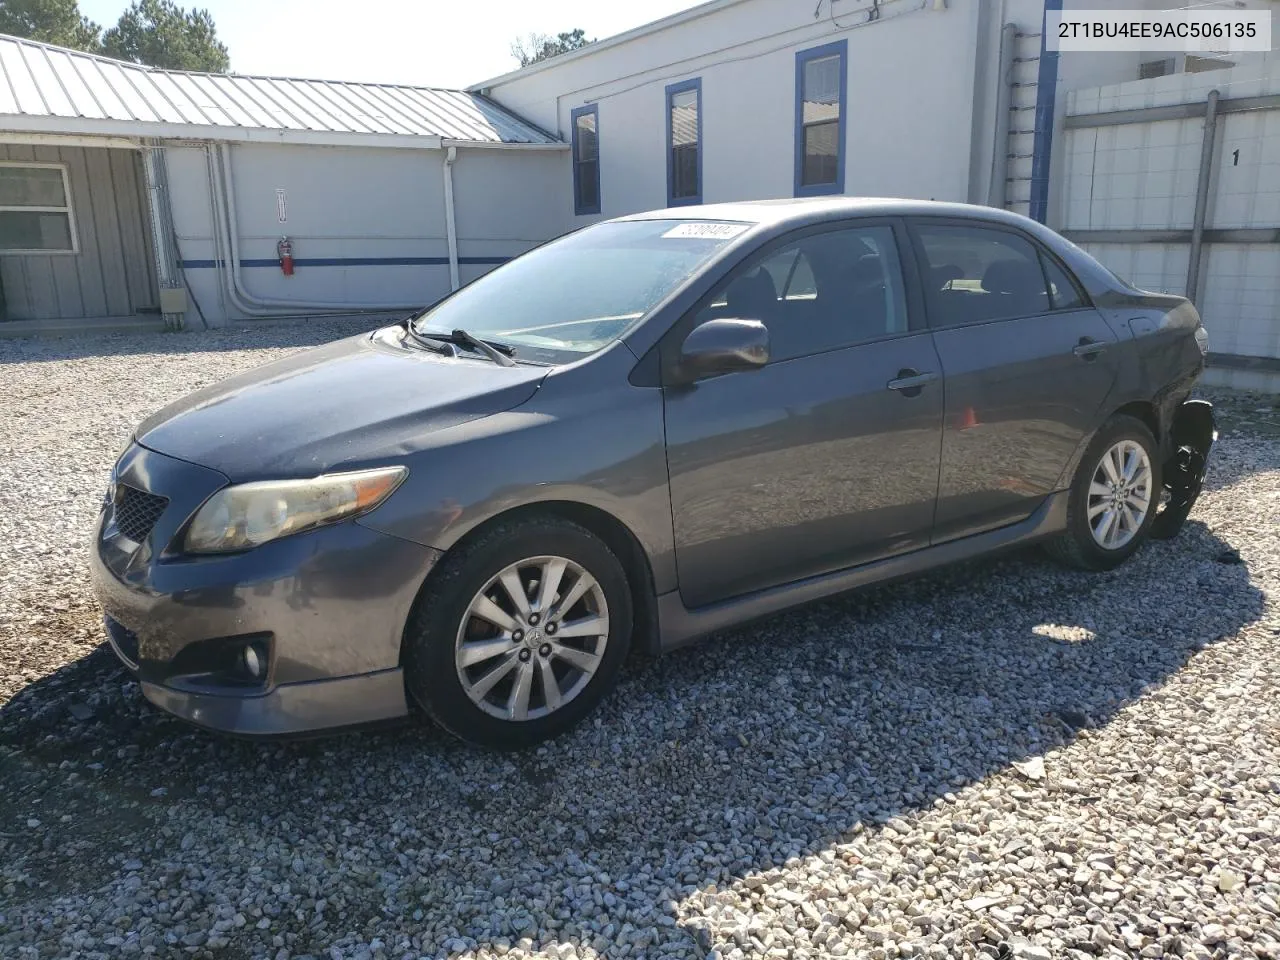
(1046, 104)
(355, 262)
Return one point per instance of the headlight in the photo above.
(1202, 340)
(243, 516)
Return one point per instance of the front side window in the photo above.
(35, 209)
(821, 77)
(821, 292)
(586, 159)
(575, 295)
(976, 275)
(684, 143)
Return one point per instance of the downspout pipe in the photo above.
(997, 189)
(450, 225)
(223, 247)
(260, 304)
(1202, 195)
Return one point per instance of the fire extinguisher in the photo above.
(284, 250)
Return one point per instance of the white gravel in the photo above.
(1005, 760)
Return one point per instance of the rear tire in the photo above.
(504, 671)
(1088, 542)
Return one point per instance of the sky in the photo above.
(440, 43)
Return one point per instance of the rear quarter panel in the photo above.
(1160, 360)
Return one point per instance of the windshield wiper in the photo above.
(429, 343)
(499, 353)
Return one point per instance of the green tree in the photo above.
(540, 46)
(162, 34)
(50, 21)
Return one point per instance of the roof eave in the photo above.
(599, 46)
(137, 130)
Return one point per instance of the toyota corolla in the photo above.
(647, 430)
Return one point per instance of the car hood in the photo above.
(353, 401)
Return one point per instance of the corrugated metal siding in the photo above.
(113, 275)
(46, 81)
(1142, 175)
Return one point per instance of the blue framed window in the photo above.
(822, 75)
(586, 159)
(684, 142)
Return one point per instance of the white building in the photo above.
(130, 194)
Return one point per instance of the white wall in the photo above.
(923, 86)
(367, 204)
(910, 89)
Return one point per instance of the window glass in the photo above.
(35, 213)
(824, 291)
(974, 275)
(683, 120)
(22, 230)
(586, 161)
(31, 187)
(573, 296)
(819, 121)
(1063, 293)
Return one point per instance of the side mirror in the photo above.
(723, 346)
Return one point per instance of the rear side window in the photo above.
(1064, 294)
(976, 275)
(820, 292)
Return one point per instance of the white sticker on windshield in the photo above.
(705, 230)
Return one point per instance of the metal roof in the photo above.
(54, 90)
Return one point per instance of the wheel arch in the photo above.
(1145, 411)
(616, 535)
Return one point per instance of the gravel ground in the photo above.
(1006, 759)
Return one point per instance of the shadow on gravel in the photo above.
(770, 742)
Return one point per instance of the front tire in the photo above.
(1113, 498)
(519, 633)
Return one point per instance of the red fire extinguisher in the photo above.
(284, 250)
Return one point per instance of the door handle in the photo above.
(1088, 348)
(910, 382)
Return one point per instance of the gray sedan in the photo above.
(644, 431)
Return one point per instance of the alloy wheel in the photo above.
(532, 638)
(1119, 494)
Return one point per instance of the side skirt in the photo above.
(678, 625)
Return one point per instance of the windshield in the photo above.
(574, 295)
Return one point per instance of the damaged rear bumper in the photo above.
(1191, 438)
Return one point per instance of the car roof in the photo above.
(802, 210)
(779, 216)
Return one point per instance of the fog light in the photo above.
(251, 662)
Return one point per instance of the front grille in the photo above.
(137, 512)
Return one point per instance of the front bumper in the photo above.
(292, 709)
(326, 608)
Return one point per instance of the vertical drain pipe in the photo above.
(997, 190)
(1202, 195)
(450, 227)
(168, 269)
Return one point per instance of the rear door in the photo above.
(1028, 364)
(828, 455)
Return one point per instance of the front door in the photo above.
(828, 455)
(1028, 363)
